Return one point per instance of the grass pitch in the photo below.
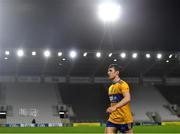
(137, 129)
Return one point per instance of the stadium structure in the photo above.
(54, 56)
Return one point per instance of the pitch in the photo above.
(48, 130)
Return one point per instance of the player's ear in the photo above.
(117, 72)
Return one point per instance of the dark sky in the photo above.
(65, 24)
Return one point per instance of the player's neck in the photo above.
(116, 79)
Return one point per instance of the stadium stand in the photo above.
(31, 100)
(171, 93)
(147, 98)
(86, 102)
(89, 101)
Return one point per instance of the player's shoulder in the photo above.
(123, 83)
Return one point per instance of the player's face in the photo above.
(112, 73)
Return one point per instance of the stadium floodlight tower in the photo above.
(109, 11)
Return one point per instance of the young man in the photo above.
(120, 117)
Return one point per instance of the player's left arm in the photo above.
(124, 101)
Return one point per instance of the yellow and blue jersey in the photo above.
(121, 115)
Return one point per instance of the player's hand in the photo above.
(111, 109)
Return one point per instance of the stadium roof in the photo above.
(145, 24)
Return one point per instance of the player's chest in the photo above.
(114, 89)
(115, 94)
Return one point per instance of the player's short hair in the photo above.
(116, 67)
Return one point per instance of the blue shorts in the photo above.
(121, 127)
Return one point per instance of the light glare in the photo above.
(7, 52)
(59, 54)
(115, 60)
(170, 56)
(98, 54)
(73, 54)
(33, 53)
(123, 55)
(20, 53)
(47, 53)
(159, 56)
(110, 54)
(85, 54)
(109, 11)
(134, 55)
(148, 56)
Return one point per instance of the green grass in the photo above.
(137, 129)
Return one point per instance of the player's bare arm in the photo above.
(124, 101)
